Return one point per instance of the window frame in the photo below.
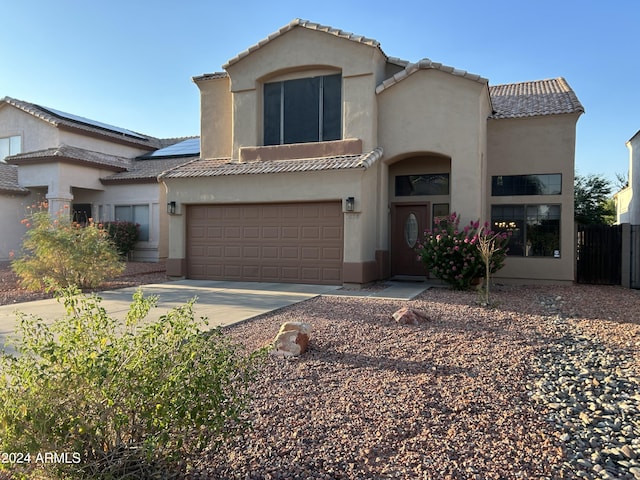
(278, 106)
(433, 176)
(520, 185)
(144, 231)
(508, 223)
(11, 142)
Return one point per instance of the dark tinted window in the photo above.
(544, 184)
(426, 184)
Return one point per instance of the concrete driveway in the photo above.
(223, 303)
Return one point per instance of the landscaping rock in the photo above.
(409, 316)
(292, 339)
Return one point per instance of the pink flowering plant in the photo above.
(452, 254)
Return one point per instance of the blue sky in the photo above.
(130, 62)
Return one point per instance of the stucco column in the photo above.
(59, 202)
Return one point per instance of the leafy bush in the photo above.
(138, 400)
(452, 254)
(123, 234)
(57, 253)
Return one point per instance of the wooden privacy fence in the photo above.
(608, 255)
(599, 254)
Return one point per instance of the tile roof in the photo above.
(9, 180)
(426, 64)
(146, 171)
(73, 155)
(60, 121)
(297, 22)
(224, 166)
(529, 99)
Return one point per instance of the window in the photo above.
(10, 146)
(303, 110)
(427, 184)
(545, 184)
(137, 214)
(535, 229)
(439, 210)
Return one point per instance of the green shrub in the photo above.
(135, 400)
(453, 255)
(58, 253)
(124, 235)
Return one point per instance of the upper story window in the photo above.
(10, 146)
(544, 184)
(303, 110)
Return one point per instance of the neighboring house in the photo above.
(323, 160)
(93, 169)
(628, 204)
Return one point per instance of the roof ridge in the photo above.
(298, 22)
(427, 64)
(53, 117)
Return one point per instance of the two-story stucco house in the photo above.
(92, 169)
(323, 160)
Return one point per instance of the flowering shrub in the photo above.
(453, 255)
(57, 252)
(123, 234)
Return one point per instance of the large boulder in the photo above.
(409, 316)
(292, 339)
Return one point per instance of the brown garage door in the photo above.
(299, 242)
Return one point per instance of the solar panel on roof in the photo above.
(93, 123)
(185, 148)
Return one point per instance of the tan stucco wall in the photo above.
(216, 118)
(36, 134)
(301, 53)
(359, 227)
(536, 145)
(14, 209)
(150, 194)
(433, 112)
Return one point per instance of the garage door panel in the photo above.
(270, 253)
(310, 233)
(332, 253)
(273, 242)
(290, 253)
(333, 233)
(270, 232)
(290, 232)
(251, 233)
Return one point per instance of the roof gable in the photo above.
(299, 23)
(87, 126)
(426, 64)
(536, 98)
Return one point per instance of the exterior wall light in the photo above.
(349, 204)
(171, 208)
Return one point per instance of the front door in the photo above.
(409, 222)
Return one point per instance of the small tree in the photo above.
(490, 247)
(591, 200)
(139, 400)
(57, 253)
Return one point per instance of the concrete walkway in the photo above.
(222, 302)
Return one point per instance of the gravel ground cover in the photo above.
(542, 385)
(136, 273)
